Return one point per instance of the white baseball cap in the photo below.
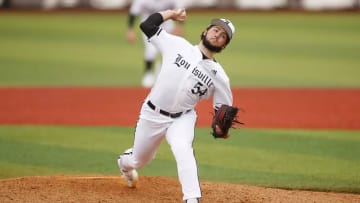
(225, 24)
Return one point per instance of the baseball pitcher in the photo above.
(189, 73)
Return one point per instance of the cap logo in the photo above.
(226, 21)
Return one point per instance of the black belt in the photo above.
(165, 113)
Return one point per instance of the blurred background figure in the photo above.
(144, 8)
(52, 4)
(108, 4)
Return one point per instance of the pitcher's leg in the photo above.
(148, 137)
(180, 136)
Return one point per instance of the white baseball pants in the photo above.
(151, 129)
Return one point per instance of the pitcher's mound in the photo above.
(101, 189)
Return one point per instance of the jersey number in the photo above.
(199, 89)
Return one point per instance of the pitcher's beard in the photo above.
(209, 46)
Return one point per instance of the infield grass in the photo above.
(300, 159)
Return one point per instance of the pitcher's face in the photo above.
(214, 39)
(216, 36)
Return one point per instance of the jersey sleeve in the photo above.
(151, 25)
(166, 42)
(222, 92)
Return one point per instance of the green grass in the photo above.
(301, 159)
(269, 49)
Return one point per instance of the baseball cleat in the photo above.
(131, 177)
(194, 200)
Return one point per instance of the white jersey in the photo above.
(185, 77)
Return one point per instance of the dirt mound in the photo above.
(102, 189)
